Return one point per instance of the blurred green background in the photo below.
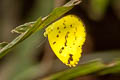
(102, 20)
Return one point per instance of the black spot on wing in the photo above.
(71, 25)
(61, 50)
(66, 43)
(75, 33)
(70, 58)
(57, 28)
(64, 24)
(54, 42)
(57, 36)
(64, 27)
(66, 36)
(59, 31)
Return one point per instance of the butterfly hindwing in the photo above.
(66, 37)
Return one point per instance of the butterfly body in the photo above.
(66, 37)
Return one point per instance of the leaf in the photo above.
(38, 25)
(68, 6)
(3, 44)
(19, 39)
(113, 67)
(81, 70)
(94, 67)
(22, 28)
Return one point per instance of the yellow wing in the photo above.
(66, 37)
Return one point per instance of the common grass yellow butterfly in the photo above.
(66, 37)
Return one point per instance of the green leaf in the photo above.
(3, 44)
(96, 67)
(19, 39)
(22, 28)
(81, 70)
(38, 25)
(60, 11)
(112, 68)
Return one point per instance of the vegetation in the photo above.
(96, 67)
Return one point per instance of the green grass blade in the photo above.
(39, 24)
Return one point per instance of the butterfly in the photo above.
(66, 37)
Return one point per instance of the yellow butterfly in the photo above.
(66, 37)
